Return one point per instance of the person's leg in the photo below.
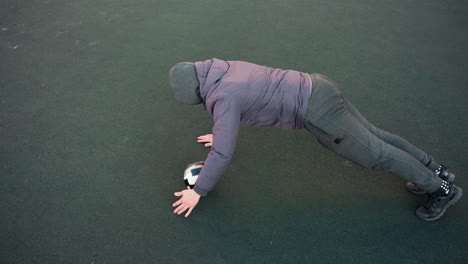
(336, 128)
(393, 139)
(347, 137)
(404, 145)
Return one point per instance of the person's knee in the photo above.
(384, 166)
(356, 153)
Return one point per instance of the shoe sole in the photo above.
(454, 200)
(450, 179)
(415, 192)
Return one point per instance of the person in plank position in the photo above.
(238, 93)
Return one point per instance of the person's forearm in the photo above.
(213, 169)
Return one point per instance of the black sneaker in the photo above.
(437, 204)
(443, 173)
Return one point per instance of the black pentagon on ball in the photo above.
(190, 186)
(195, 171)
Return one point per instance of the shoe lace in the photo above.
(432, 201)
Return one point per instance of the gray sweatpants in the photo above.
(338, 126)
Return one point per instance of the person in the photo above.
(238, 93)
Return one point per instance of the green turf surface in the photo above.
(93, 144)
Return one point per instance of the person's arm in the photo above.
(226, 127)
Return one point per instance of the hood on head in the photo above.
(184, 83)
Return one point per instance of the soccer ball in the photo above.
(191, 174)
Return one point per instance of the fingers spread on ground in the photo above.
(178, 209)
(189, 211)
(182, 210)
(177, 203)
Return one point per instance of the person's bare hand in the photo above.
(208, 139)
(188, 201)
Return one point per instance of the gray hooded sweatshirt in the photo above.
(238, 93)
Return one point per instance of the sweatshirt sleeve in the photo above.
(226, 116)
